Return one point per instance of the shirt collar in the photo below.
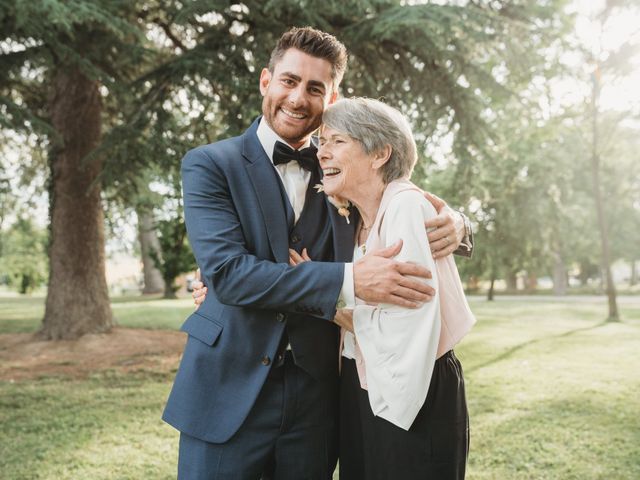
(268, 138)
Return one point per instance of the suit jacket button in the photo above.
(281, 317)
(295, 238)
(266, 361)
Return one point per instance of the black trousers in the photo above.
(434, 448)
(290, 434)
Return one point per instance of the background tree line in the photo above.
(102, 99)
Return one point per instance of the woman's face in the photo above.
(347, 169)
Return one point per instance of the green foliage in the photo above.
(23, 259)
(620, 158)
(176, 75)
(101, 38)
(175, 257)
(442, 64)
(530, 191)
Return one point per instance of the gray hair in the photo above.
(375, 125)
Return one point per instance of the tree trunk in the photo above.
(584, 273)
(602, 223)
(153, 281)
(77, 300)
(169, 291)
(490, 293)
(559, 275)
(512, 281)
(633, 280)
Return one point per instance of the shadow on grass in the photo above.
(515, 349)
(572, 437)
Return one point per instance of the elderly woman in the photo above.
(403, 407)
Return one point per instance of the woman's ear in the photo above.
(381, 157)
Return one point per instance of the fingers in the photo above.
(414, 290)
(199, 290)
(443, 243)
(381, 280)
(344, 324)
(295, 258)
(199, 300)
(443, 247)
(388, 252)
(199, 293)
(436, 201)
(449, 232)
(410, 294)
(413, 269)
(444, 252)
(401, 302)
(442, 225)
(344, 318)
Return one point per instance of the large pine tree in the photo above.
(59, 62)
(145, 81)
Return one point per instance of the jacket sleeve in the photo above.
(237, 276)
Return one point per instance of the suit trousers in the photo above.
(434, 448)
(290, 434)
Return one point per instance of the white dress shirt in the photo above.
(294, 178)
(296, 181)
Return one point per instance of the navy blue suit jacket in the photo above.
(238, 230)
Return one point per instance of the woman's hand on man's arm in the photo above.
(199, 290)
(344, 318)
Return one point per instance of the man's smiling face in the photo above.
(295, 95)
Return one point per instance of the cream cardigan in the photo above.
(397, 347)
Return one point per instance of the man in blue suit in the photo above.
(256, 391)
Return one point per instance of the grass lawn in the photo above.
(553, 392)
(24, 314)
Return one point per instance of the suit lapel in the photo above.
(266, 185)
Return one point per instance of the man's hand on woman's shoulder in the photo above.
(445, 231)
(378, 278)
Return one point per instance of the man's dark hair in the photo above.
(315, 43)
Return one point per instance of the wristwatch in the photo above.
(466, 246)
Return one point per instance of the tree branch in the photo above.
(166, 28)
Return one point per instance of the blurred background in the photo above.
(527, 119)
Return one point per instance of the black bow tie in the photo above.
(306, 157)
